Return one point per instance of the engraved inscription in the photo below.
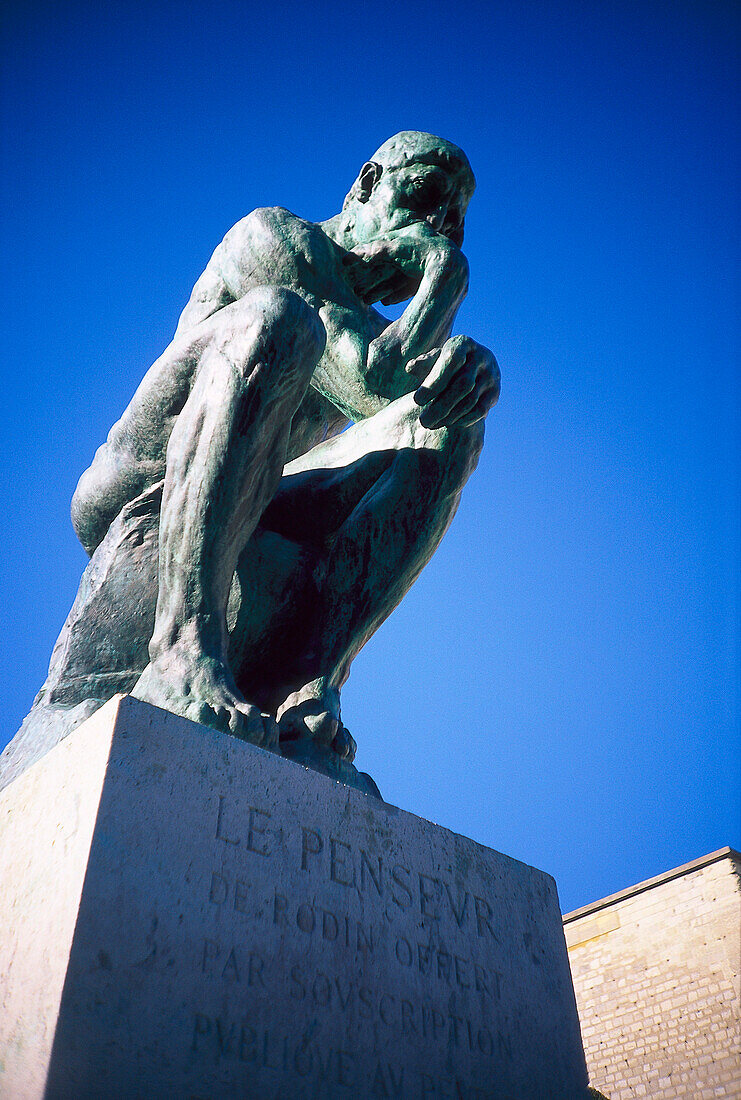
(358, 923)
(352, 867)
(256, 829)
(232, 963)
(403, 1015)
(446, 967)
(313, 919)
(434, 962)
(243, 1042)
(303, 1058)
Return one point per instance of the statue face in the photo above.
(399, 197)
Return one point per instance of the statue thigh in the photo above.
(276, 597)
(354, 520)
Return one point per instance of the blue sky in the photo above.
(562, 683)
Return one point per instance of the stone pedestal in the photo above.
(185, 915)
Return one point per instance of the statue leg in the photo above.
(364, 512)
(224, 462)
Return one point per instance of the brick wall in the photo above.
(656, 974)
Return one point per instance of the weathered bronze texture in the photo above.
(284, 471)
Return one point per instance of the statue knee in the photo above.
(458, 449)
(286, 330)
(87, 518)
(453, 451)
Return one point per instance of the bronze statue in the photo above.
(284, 470)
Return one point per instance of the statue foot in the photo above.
(313, 714)
(203, 691)
(312, 734)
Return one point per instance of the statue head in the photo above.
(412, 177)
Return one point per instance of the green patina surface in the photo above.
(283, 472)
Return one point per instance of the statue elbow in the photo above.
(96, 502)
(86, 516)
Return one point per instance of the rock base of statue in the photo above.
(185, 915)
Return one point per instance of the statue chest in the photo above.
(340, 374)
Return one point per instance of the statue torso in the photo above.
(269, 247)
(274, 247)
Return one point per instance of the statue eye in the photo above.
(427, 192)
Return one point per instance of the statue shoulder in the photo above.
(271, 244)
(264, 222)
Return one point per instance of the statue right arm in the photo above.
(459, 377)
(439, 270)
(427, 320)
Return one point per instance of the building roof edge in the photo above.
(649, 883)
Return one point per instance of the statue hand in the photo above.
(460, 383)
(390, 269)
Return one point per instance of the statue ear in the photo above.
(369, 176)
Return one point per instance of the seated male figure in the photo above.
(281, 542)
